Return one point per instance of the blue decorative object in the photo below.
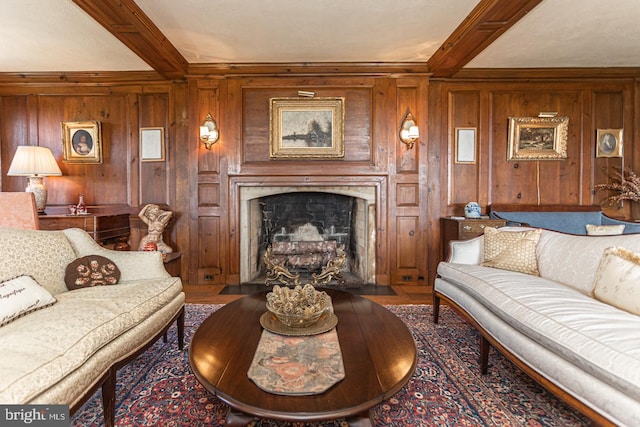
(472, 210)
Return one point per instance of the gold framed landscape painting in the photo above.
(537, 138)
(82, 142)
(301, 128)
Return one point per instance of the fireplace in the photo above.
(345, 215)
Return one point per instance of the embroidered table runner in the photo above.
(297, 365)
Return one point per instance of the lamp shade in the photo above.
(31, 160)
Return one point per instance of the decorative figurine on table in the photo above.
(157, 220)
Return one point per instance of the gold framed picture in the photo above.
(609, 143)
(152, 144)
(301, 128)
(538, 138)
(82, 142)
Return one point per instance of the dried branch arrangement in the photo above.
(623, 186)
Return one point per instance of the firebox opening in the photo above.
(334, 217)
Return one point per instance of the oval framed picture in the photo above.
(609, 143)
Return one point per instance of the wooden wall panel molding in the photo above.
(208, 102)
(407, 195)
(464, 179)
(357, 121)
(259, 70)
(208, 194)
(155, 182)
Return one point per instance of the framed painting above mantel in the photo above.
(301, 128)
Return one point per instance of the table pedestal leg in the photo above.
(363, 419)
(240, 419)
(237, 419)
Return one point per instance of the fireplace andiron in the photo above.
(282, 257)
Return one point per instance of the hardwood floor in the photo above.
(216, 294)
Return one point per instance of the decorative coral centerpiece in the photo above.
(298, 307)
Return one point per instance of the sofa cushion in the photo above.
(21, 296)
(40, 254)
(618, 279)
(604, 230)
(50, 344)
(597, 337)
(511, 250)
(558, 258)
(91, 270)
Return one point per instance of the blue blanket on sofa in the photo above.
(566, 222)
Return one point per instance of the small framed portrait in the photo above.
(609, 143)
(82, 142)
(152, 145)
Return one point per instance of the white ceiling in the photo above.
(56, 35)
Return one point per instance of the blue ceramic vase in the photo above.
(472, 210)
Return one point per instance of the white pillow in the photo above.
(617, 280)
(604, 230)
(20, 296)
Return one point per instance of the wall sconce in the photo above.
(209, 132)
(35, 162)
(409, 131)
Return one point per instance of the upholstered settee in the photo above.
(76, 340)
(571, 321)
(567, 219)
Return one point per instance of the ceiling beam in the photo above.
(129, 24)
(486, 22)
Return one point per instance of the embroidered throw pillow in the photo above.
(617, 280)
(511, 250)
(20, 296)
(91, 270)
(604, 230)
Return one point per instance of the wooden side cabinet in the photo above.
(458, 228)
(104, 228)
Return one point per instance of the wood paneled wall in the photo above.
(589, 105)
(122, 184)
(374, 155)
(414, 188)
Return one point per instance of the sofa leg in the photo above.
(109, 398)
(484, 355)
(180, 324)
(436, 308)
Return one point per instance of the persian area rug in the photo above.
(158, 388)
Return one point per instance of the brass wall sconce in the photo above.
(409, 131)
(209, 133)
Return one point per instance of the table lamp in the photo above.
(35, 163)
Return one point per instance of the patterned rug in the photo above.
(158, 388)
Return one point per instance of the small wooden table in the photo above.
(457, 228)
(378, 352)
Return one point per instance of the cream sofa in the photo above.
(585, 351)
(62, 353)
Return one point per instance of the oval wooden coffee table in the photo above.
(378, 352)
